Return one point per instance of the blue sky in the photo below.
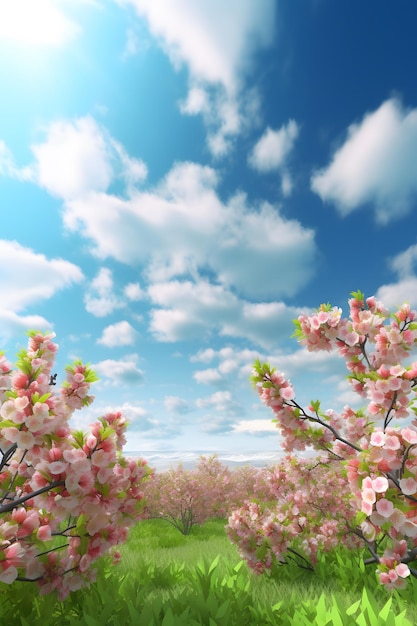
(180, 179)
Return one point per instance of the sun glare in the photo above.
(35, 23)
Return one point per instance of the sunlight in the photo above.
(38, 23)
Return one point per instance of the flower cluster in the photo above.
(380, 461)
(308, 509)
(55, 482)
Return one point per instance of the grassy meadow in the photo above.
(166, 578)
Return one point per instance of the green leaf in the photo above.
(385, 611)
(8, 424)
(315, 404)
(79, 438)
(358, 295)
(44, 398)
(214, 564)
(335, 615)
(353, 608)
(359, 518)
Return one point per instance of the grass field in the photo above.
(166, 578)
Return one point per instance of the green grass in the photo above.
(167, 578)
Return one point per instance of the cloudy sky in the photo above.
(180, 179)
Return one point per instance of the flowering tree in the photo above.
(376, 452)
(298, 507)
(188, 497)
(66, 497)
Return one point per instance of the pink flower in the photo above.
(409, 529)
(385, 507)
(380, 484)
(44, 533)
(378, 438)
(402, 570)
(392, 443)
(25, 440)
(408, 486)
(409, 435)
(366, 507)
(368, 495)
(287, 393)
(8, 575)
(57, 467)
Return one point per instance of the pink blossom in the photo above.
(369, 496)
(8, 575)
(409, 529)
(402, 570)
(44, 533)
(380, 484)
(392, 443)
(385, 507)
(287, 393)
(366, 507)
(408, 486)
(57, 467)
(378, 438)
(25, 439)
(409, 435)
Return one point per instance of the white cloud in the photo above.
(41, 23)
(273, 148)
(134, 292)
(223, 410)
(405, 262)
(376, 164)
(163, 228)
(255, 426)
(190, 310)
(12, 324)
(230, 360)
(80, 157)
(119, 334)
(74, 159)
(208, 377)
(28, 277)
(222, 400)
(196, 102)
(286, 184)
(132, 170)
(265, 323)
(204, 356)
(231, 369)
(100, 299)
(255, 240)
(177, 405)
(393, 295)
(300, 360)
(216, 41)
(9, 168)
(120, 372)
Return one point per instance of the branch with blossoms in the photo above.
(56, 482)
(380, 462)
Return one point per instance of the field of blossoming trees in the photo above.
(347, 512)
